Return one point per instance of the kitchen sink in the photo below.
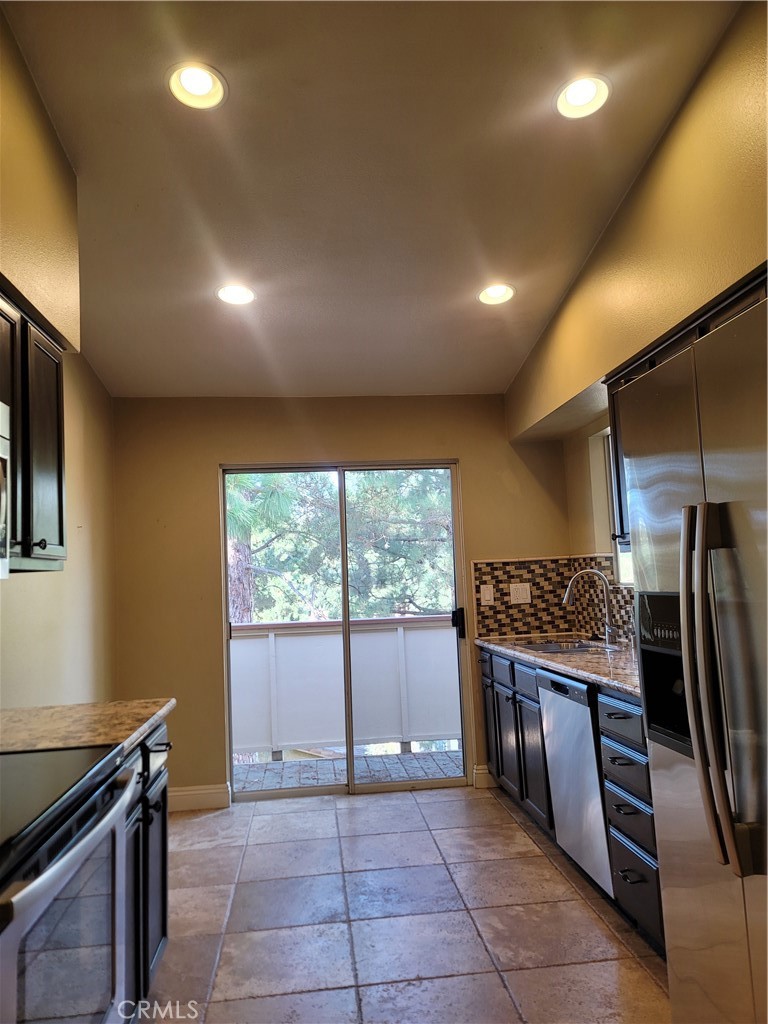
(564, 646)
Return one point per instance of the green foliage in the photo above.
(400, 542)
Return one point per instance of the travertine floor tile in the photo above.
(470, 999)
(544, 934)
(283, 902)
(431, 796)
(611, 992)
(201, 910)
(365, 853)
(186, 969)
(201, 830)
(628, 934)
(657, 968)
(423, 946)
(464, 813)
(269, 963)
(334, 1006)
(500, 883)
(216, 866)
(492, 842)
(397, 891)
(370, 820)
(370, 800)
(286, 828)
(582, 884)
(288, 860)
(294, 805)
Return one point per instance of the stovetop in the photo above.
(39, 788)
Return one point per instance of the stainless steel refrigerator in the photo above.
(693, 433)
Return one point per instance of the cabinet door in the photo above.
(491, 737)
(535, 784)
(10, 386)
(134, 835)
(509, 755)
(155, 874)
(45, 529)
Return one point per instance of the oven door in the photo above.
(62, 947)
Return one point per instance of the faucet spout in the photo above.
(568, 599)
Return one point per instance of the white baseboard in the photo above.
(482, 778)
(199, 798)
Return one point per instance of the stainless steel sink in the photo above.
(564, 646)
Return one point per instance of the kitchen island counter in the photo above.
(616, 670)
(113, 722)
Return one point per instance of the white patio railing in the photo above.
(287, 683)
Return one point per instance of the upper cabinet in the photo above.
(31, 383)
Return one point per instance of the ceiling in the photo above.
(374, 166)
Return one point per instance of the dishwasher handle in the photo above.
(568, 688)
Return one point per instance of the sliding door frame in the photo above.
(460, 596)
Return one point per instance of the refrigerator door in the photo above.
(731, 374)
(702, 901)
(659, 435)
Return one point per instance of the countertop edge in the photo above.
(510, 649)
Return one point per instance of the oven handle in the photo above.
(19, 902)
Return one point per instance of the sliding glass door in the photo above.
(343, 662)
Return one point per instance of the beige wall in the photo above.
(38, 199)
(694, 223)
(168, 570)
(586, 485)
(56, 627)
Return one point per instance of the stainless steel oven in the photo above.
(63, 918)
(5, 497)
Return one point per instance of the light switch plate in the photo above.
(486, 594)
(520, 593)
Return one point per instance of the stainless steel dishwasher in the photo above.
(574, 778)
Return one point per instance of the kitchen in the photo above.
(135, 457)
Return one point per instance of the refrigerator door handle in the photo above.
(690, 681)
(706, 524)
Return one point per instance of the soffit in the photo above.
(374, 166)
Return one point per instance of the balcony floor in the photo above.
(252, 778)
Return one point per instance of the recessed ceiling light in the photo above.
(583, 96)
(496, 293)
(235, 294)
(197, 85)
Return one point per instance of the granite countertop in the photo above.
(615, 669)
(82, 725)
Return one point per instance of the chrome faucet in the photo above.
(611, 633)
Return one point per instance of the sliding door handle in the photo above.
(690, 681)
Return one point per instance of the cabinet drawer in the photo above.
(636, 884)
(501, 670)
(525, 680)
(626, 767)
(622, 720)
(629, 815)
(484, 659)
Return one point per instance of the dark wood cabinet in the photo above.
(510, 775)
(134, 888)
(156, 873)
(536, 797)
(515, 739)
(31, 384)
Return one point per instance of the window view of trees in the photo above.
(284, 549)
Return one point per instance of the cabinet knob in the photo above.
(508, 699)
(156, 806)
(42, 544)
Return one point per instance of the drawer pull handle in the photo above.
(508, 699)
(487, 686)
(614, 715)
(161, 748)
(625, 809)
(621, 762)
(626, 873)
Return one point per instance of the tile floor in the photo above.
(440, 906)
(326, 771)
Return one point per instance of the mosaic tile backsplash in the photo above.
(546, 613)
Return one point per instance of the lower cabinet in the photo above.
(514, 736)
(156, 880)
(534, 766)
